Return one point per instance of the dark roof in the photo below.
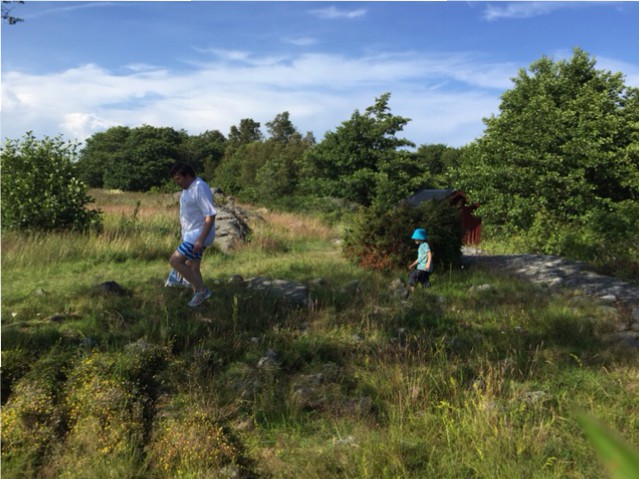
(426, 195)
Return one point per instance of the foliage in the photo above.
(380, 238)
(98, 154)
(133, 159)
(263, 170)
(564, 148)
(32, 418)
(40, 190)
(191, 441)
(144, 159)
(438, 161)
(6, 13)
(361, 161)
(204, 152)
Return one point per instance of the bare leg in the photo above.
(189, 269)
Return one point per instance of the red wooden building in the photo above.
(471, 223)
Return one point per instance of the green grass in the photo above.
(455, 382)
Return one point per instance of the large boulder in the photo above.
(231, 226)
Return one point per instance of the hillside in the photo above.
(478, 376)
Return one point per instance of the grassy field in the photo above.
(457, 382)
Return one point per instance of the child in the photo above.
(424, 261)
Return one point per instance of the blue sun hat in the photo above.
(419, 234)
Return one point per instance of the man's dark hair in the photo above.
(182, 168)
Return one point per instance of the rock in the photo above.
(291, 292)
(635, 314)
(608, 298)
(625, 338)
(317, 283)
(267, 363)
(481, 287)
(354, 287)
(398, 289)
(231, 227)
(236, 280)
(111, 287)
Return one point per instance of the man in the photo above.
(197, 217)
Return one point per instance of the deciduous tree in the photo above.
(355, 160)
(564, 144)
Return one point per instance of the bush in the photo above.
(380, 239)
(39, 187)
(604, 236)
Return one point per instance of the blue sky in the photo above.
(77, 68)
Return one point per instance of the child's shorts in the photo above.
(186, 249)
(417, 276)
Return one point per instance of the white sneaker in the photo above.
(176, 280)
(200, 297)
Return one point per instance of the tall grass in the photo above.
(455, 382)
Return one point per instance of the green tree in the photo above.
(281, 129)
(564, 145)
(6, 13)
(355, 161)
(247, 132)
(204, 152)
(258, 169)
(437, 162)
(135, 159)
(279, 175)
(99, 153)
(236, 171)
(40, 190)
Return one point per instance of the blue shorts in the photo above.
(419, 276)
(186, 249)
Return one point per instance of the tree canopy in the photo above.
(358, 160)
(131, 159)
(559, 165)
(565, 142)
(6, 13)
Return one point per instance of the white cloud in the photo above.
(83, 125)
(499, 11)
(446, 95)
(300, 41)
(630, 71)
(332, 12)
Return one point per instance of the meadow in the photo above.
(455, 382)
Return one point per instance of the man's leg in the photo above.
(191, 272)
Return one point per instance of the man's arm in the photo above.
(209, 222)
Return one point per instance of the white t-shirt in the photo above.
(196, 202)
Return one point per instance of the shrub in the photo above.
(380, 239)
(604, 236)
(39, 187)
(32, 418)
(189, 442)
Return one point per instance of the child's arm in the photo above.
(430, 258)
